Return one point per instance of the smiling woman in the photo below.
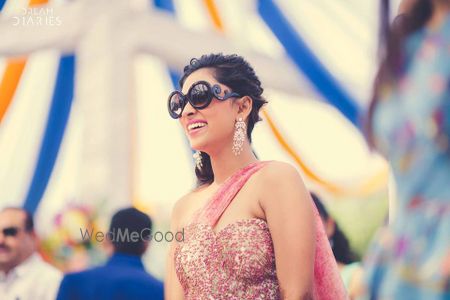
(231, 77)
(240, 220)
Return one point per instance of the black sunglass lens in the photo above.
(200, 95)
(176, 105)
(11, 231)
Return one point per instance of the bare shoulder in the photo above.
(184, 207)
(277, 171)
(179, 207)
(280, 181)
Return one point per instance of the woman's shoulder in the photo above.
(278, 170)
(184, 205)
(276, 174)
(282, 192)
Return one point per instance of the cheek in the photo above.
(221, 121)
(14, 244)
(20, 243)
(224, 126)
(222, 111)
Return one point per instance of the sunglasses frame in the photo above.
(213, 92)
(10, 231)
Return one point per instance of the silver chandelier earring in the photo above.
(198, 159)
(239, 136)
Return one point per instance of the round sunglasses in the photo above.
(199, 95)
(10, 231)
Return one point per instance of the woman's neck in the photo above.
(224, 163)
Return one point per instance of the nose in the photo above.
(188, 110)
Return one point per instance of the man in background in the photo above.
(23, 273)
(124, 275)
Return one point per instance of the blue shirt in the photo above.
(122, 278)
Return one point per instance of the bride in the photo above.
(250, 229)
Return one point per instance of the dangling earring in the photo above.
(239, 136)
(198, 159)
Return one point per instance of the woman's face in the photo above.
(212, 128)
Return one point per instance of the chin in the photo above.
(199, 145)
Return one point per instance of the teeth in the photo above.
(196, 125)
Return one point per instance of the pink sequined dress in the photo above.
(238, 262)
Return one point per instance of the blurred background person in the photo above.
(349, 266)
(409, 122)
(124, 275)
(23, 273)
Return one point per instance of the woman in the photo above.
(249, 226)
(411, 126)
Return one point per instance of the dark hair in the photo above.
(131, 220)
(391, 49)
(339, 242)
(236, 73)
(29, 223)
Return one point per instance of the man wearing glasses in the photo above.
(23, 273)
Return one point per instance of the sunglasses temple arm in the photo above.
(227, 96)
